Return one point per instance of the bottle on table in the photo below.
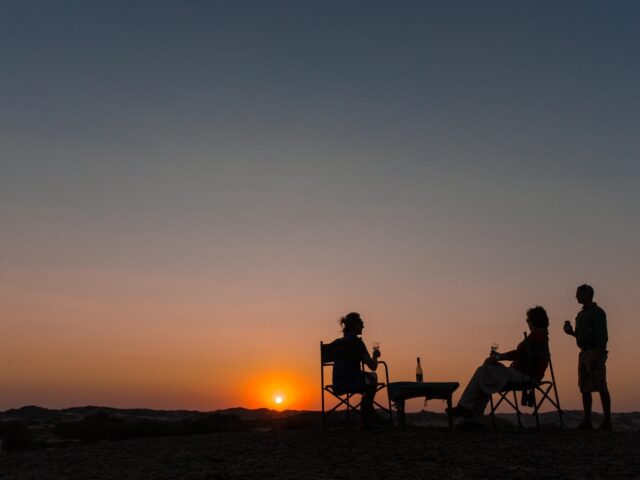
(418, 371)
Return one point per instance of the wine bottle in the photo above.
(418, 371)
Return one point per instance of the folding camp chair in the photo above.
(544, 388)
(329, 353)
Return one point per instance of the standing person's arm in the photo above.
(568, 329)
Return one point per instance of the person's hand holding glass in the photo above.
(568, 328)
(376, 349)
(494, 355)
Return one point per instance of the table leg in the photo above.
(400, 412)
(449, 407)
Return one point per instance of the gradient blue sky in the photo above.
(191, 191)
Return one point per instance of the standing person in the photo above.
(591, 337)
(348, 376)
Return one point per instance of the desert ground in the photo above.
(385, 453)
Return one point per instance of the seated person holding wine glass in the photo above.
(529, 362)
(348, 376)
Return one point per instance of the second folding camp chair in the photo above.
(529, 389)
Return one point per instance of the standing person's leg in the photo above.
(593, 378)
(585, 424)
(599, 365)
(585, 382)
(606, 409)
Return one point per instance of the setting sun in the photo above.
(278, 389)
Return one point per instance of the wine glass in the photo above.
(494, 348)
(375, 345)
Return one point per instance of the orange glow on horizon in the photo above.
(279, 391)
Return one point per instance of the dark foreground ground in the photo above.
(414, 452)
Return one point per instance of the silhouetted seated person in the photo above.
(529, 363)
(348, 376)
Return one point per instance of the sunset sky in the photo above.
(193, 193)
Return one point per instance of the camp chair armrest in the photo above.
(386, 370)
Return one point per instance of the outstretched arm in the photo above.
(510, 355)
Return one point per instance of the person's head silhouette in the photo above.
(352, 324)
(584, 294)
(537, 317)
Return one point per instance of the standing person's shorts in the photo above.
(592, 370)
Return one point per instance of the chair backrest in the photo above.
(339, 350)
(536, 352)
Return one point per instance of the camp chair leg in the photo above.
(388, 410)
(555, 391)
(546, 395)
(324, 426)
(560, 412)
(515, 402)
(493, 409)
(557, 403)
(535, 409)
(561, 419)
(400, 412)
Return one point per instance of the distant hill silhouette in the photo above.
(263, 417)
(32, 427)
(39, 414)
